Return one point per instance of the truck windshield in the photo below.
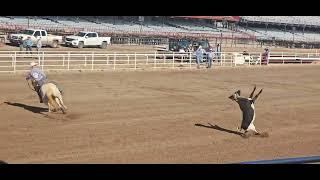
(28, 32)
(81, 34)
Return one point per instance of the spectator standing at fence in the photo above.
(210, 56)
(28, 44)
(39, 44)
(20, 43)
(199, 56)
(218, 51)
(189, 48)
(267, 54)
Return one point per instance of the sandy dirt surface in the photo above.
(181, 116)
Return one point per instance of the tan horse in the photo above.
(52, 97)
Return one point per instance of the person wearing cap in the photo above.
(38, 76)
(210, 56)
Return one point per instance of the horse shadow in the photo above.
(216, 127)
(3, 162)
(34, 109)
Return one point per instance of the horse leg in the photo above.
(61, 102)
(50, 104)
(49, 107)
(60, 105)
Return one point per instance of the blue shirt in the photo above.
(28, 42)
(37, 75)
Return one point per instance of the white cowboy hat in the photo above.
(33, 64)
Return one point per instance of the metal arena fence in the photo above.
(15, 61)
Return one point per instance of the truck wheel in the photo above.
(104, 45)
(80, 45)
(55, 44)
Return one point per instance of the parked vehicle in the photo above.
(87, 39)
(46, 39)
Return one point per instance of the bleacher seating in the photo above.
(108, 24)
(131, 25)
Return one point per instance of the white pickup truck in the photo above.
(46, 39)
(85, 39)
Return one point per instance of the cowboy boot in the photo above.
(39, 94)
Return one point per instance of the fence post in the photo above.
(260, 58)
(85, 60)
(190, 59)
(135, 60)
(92, 61)
(173, 60)
(14, 62)
(68, 60)
(39, 60)
(12, 57)
(114, 61)
(128, 56)
(147, 59)
(63, 57)
(155, 60)
(42, 60)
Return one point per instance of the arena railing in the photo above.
(13, 61)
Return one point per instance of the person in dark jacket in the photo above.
(20, 43)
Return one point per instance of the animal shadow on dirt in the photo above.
(33, 109)
(243, 135)
(3, 162)
(216, 127)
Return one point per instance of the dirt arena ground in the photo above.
(162, 116)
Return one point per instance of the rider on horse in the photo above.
(38, 77)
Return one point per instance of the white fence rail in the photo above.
(13, 61)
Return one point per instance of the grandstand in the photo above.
(288, 30)
(294, 30)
